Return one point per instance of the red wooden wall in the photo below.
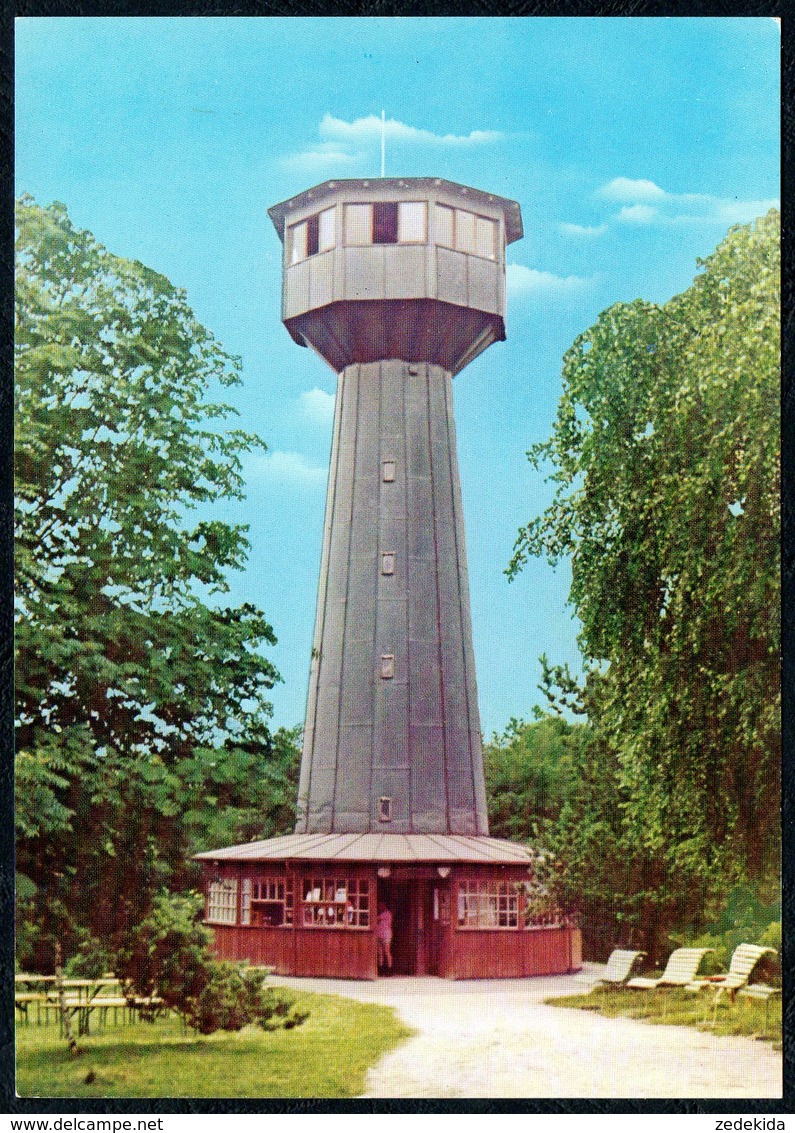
(460, 953)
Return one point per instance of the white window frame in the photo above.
(491, 906)
(327, 219)
(350, 226)
(358, 228)
(297, 235)
(458, 220)
(222, 901)
(403, 206)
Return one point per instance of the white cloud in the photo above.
(741, 212)
(678, 208)
(369, 129)
(638, 214)
(290, 468)
(347, 143)
(522, 280)
(317, 405)
(625, 190)
(319, 158)
(585, 230)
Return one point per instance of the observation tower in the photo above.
(397, 283)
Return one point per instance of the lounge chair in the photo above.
(679, 971)
(743, 961)
(620, 963)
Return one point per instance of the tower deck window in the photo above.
(313, 235)
(358, 225)
(466, 232)
(312, 227)
(412, 222)
(326, 230)
(386, 222)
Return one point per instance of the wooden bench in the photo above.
(759, 991)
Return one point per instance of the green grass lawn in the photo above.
(327, 1057)
(671, 1006)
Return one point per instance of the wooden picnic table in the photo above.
(88, 989)
(31, 990)
(80, 996)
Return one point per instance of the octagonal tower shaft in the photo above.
(398, 284)
(392, 738)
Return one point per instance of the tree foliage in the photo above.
(142, 697)
(665, 460)
(528, 775)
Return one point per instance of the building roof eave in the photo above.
(393, 848)
(318, 193)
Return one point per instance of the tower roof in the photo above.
(399, 187)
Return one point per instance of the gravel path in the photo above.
(497, 1039)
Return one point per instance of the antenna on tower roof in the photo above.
(383, 143)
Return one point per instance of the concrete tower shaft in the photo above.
(398, 284)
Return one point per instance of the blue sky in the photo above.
(631, 144)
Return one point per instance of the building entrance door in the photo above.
(415, 950)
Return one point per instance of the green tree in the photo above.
(665, 460)
(142, 697)
(528, 775)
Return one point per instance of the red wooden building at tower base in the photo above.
(306, 905)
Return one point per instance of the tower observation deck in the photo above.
(397, 284)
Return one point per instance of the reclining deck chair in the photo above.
(620, 963)
(679, 971)
(743, 961)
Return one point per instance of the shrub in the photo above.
(168, 955)
(771, 937)
(743, 919)
(235, 997)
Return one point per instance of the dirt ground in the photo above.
(497, 1039)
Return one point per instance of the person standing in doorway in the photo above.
(383, 932)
